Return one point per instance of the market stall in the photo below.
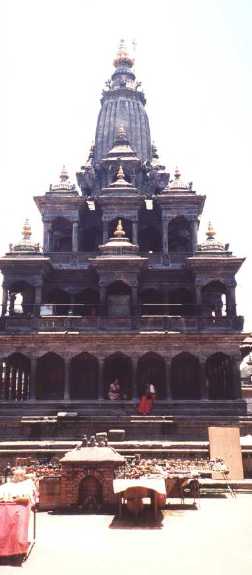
(134, 492)
(17, 518)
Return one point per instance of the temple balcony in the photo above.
(64, 260)
(147, 323)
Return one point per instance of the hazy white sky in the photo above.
(194, 60)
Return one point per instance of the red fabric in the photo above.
(14, 523)
(145, 405)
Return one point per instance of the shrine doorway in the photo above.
(90, 494)
(118, 299)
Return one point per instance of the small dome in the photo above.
(178, 183)
(64, 184)
(211, 244)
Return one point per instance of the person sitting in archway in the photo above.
(114, 391)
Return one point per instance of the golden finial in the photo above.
(210, 234)
(26, 232)
(64, 175)
(119, 231)
(120, 174)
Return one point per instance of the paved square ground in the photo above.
(216, 539)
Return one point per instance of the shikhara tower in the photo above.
(120, 288)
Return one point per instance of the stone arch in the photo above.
(150, 299)
(84, 377)
(214, 298)
(118, 299)
(50, 377)
(181, 302)
(87, 302)
(90, 496)
(90, 229)
(15, 377)
(118, 366)
(180, 235)
(219, 372)
(60, 301)
(185, 377)
(127, 226)
(61, 235)
(21, 298)
(151, 370)
(149, 230)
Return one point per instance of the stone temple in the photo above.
(120, 290)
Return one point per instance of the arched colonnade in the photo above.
(86, 377)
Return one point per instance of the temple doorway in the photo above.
(219, 373)
(83, 377)
(50, 377)
(90, 494)
(185, 377)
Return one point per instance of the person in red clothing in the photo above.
(146, 401)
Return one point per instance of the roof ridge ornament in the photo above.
(26, 231)
(122, 57)
(210, 233)
(64, 174)
(120, 174)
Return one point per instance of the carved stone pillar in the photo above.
(102, 292)
(194, 228)
(4, 300)
(47, 236)
(32, 383)
(72, 306)
(231, 300)
(135, 233)
(134, 361)
(168, 393)
(12, 303)
(67, 379)
(37, 299)
(236, 391)
(165, 223)
(198, 296)
(100, 391)
(75, 237)
(203, 380)
(134, 291)
(105, 233)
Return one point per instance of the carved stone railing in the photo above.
(167, 323)
(64, 260)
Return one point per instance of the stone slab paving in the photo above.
(216, 539)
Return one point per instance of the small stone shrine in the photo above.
(86, 479)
